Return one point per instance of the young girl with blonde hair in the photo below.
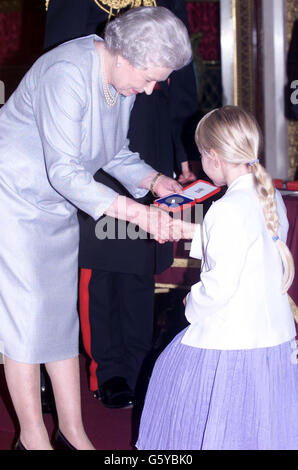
(229, 380)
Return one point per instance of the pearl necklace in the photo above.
(109, 97)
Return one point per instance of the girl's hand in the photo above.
(163, 227)
(152, 220)
(158, 223)
(184, 230)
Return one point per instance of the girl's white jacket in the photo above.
(238, 302)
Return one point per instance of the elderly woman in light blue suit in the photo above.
(68, 118)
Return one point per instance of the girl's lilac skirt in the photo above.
(222, 400)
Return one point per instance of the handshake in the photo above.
(155, 221)
(162, 226)
(159, 223)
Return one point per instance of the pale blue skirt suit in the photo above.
(56, 131)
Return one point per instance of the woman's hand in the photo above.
(165, 185)
(152, 220)
(159, 224)
(165, 228)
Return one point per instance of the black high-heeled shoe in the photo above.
(19, 446)
(61, 443)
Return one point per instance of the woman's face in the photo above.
(128, 80)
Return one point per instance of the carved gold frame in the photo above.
(244, 83)
(247, 71)
(247, 63)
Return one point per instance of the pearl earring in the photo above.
(117, 65)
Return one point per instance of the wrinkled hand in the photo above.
(151, 219)
(160, 225)
(165, 228)
(165, 185)
(189, 172)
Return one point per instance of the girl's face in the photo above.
(213, 168)
(128, 80)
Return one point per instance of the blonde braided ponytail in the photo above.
(266, 193)
(235, 136)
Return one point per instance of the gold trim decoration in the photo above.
(291, 15)
(293, 148)
(235, 54)
(113, 7)
(167, 287)
(189, 263)
(161, 290)
(244, 79)
(186, 263)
